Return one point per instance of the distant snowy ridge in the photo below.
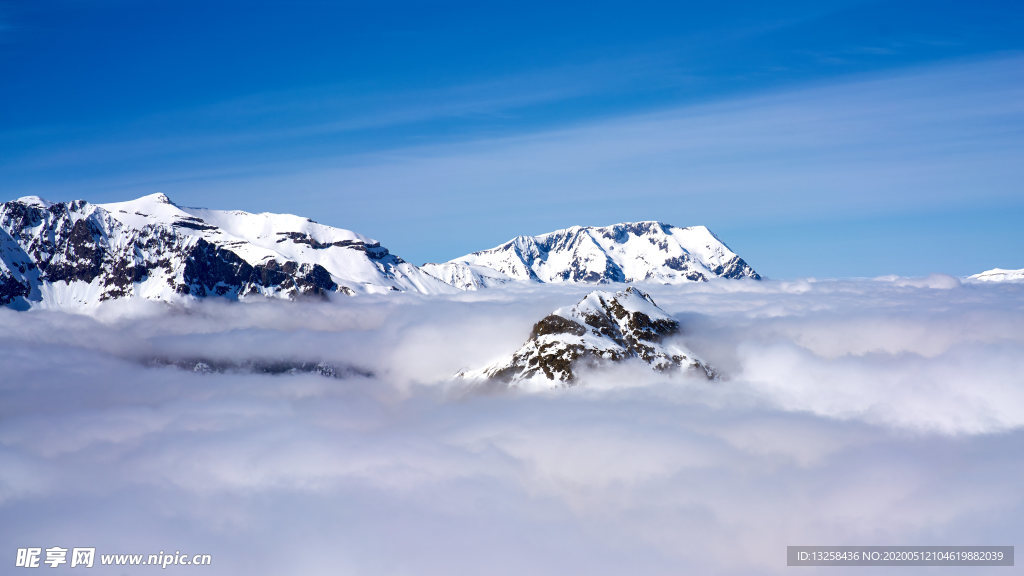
(626, 252)
(998, 275)
(76, 254)
(603, 327)
(467, 276)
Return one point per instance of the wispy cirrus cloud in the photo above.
(874, 171)
(891, 151)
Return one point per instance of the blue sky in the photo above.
(816, 138)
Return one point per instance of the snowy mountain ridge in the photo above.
(626, 252)
(73, 255)
(76, 254)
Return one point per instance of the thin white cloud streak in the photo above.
(218, 133)
(885, 411)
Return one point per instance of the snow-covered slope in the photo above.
(998, 275)
(628, 252)
(603, 327)
(74, 254)
(466, 276)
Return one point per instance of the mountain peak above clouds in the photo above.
(646, 251)
(602, 327)
(76, 254)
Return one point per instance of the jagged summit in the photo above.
(156, 197)
(75, 254)
(648, 251)
(602, 327)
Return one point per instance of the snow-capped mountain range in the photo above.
(602, 327)
(628, 252)
(77, 254)
(74, 254)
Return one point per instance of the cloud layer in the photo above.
(880, 411)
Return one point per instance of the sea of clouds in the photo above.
(884, 411)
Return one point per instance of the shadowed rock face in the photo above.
(603, 327)
(210, 269)
(11, 288)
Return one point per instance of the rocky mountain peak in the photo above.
(602, 327)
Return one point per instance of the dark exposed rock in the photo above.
(736, 268)
(11, 289)
(554, 324)
(373, 250)
(212, 269)
(309, 279)
(301, 238)
(194, 225)
(82, 252)
(274, 367)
